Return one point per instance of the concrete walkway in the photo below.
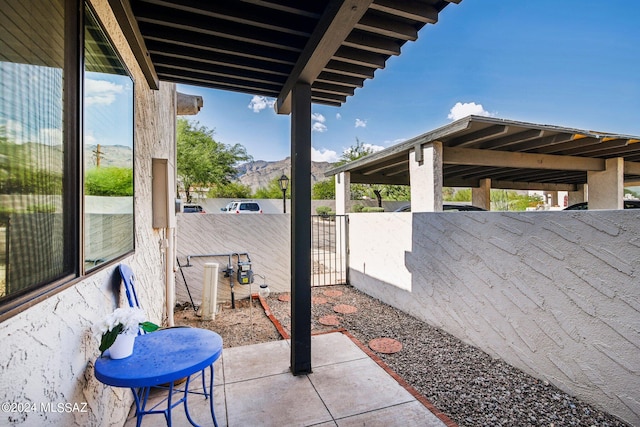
(254, 387)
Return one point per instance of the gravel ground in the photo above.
(465, 383)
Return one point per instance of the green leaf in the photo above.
(149, 327)
(108, 338)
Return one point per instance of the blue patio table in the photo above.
(163, 357)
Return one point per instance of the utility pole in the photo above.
(97, 154)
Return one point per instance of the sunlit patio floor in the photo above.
(254, 387)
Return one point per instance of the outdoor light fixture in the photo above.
(284, 184)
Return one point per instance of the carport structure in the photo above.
(485, 152)
(299, 52)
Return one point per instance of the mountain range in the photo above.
(259, 173)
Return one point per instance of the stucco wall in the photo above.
(47, 351)
(265, 237)
(556, 294)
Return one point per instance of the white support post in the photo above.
(425, 175)
(343, 192)
(606, 188)
(481, 196)
(579, 196)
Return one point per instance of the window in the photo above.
(34, 149)
(108, 150)
(41, 150)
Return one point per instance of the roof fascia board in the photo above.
(337, 22)
(127, 21)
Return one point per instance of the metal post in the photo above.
(301, 229)
(284, 200)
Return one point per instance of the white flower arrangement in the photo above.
(125, 320)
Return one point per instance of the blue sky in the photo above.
(573, 63)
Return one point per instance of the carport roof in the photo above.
(264, 47)
(513, 154)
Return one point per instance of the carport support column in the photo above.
(301, 229)
(606, 188)
(579, 196)
(481, 196)
(425, 176)
(343, 192)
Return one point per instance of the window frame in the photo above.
(73, 181)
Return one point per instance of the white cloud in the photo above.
(318, 123)
(259, 103)
(318, 127)
(324, 155)
(317, 117)
(338, 116)
(373, 147)
(361, 123)
(101, 92)
(461, 110)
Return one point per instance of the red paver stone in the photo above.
(329, 320)
(332, 293)
(318, 300)
(385, 345)
(284, 298)
(344, 309)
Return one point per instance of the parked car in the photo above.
(628, 204)
(193, 209)
(446, 207)
(242, 207)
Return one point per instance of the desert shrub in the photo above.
(357, 207)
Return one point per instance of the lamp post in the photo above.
(284, 184)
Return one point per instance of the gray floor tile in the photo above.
(411, 414)
(333, 348)
(357, 386)
(255, 361)
(279, 400)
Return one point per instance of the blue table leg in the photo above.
(213, 414)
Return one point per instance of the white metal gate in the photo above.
(329, 237)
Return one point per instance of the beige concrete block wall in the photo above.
(48, 350)
(556, 294)
(265, 237)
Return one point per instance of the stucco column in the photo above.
(481, 195)
(606, 188)
(425, 176)
(343, 192)
(579, 196)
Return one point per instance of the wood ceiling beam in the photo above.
(382, 25)
(509, 140)
(359, 57)
(338, 20)
(372, 43)
(220, 63)
(157, 36)
(127, 22)
(508, 159)
(409, 9)
(339, 79)
(333, 89)
(477, 136)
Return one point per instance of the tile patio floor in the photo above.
(254, 387)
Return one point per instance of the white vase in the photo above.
(122, 347)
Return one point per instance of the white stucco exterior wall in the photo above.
(556, 294)
(48, 350)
